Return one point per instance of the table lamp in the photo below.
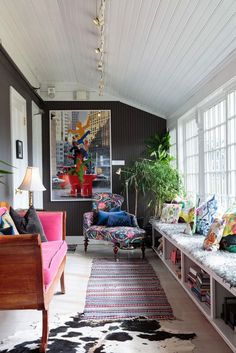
(32, 182)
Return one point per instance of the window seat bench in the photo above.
(219, 265)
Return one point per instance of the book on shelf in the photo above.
(199, 295)
(203, 279)
(191, 277)
(194, 270)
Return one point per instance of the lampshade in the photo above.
(32, 180)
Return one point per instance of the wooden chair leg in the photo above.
(44, 341)
(143, 248)
(86, 241)
(115, 249)
(62, 281)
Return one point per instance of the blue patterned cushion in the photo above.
(206, 213)
(119, 220)
(103, 217)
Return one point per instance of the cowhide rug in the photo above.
(77, 335)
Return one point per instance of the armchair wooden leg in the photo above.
(143, 248)
(86, 241)
(115, 249)
(44, 341)
(62, 281)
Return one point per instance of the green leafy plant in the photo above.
(158, 147)
(4, 172)
(165, 184)
(136, 177)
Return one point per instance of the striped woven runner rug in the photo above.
(125, 289)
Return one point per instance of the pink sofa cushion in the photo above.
(52, 223)
(53, 253)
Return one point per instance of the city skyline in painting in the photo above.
(80, 153)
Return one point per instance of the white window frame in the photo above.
(210, 101)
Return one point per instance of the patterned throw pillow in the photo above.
(7, 222)
(170, 213)
(205, 215)
(214, 235)
(188, 212)
(230, 221)
(228, 240)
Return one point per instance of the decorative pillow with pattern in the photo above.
(214, 235)
(7, 223)
(230, 221)
(188, 212)
(228, 240)
(170, 213)
(205, 215)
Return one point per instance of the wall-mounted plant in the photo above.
(4, 172)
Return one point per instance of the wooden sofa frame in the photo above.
(21, 276)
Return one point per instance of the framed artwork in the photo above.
(80, 153)
(19, 149)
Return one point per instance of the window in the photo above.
(207, 147)
(173, 151)
(231, 147)
(191, 156)
(188, 145)
(214, 130)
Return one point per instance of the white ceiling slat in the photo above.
(157, 52)
(202, 52)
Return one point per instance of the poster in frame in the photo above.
(80, 153)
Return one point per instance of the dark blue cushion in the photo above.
(103, 217)
(119, 220)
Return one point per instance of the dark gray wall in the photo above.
(10, 76)
(129, 128)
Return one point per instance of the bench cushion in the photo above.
(53, 253)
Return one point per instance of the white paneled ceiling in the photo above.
(158, 53)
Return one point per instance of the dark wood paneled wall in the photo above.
(129, 128)
(11, 76)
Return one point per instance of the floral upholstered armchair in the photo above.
(120, 236)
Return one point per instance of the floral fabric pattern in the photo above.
(206, 213)
(170, 213)
(230, 221)
(106, 201)
(121, 235)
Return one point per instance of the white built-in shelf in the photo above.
(219, 288)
